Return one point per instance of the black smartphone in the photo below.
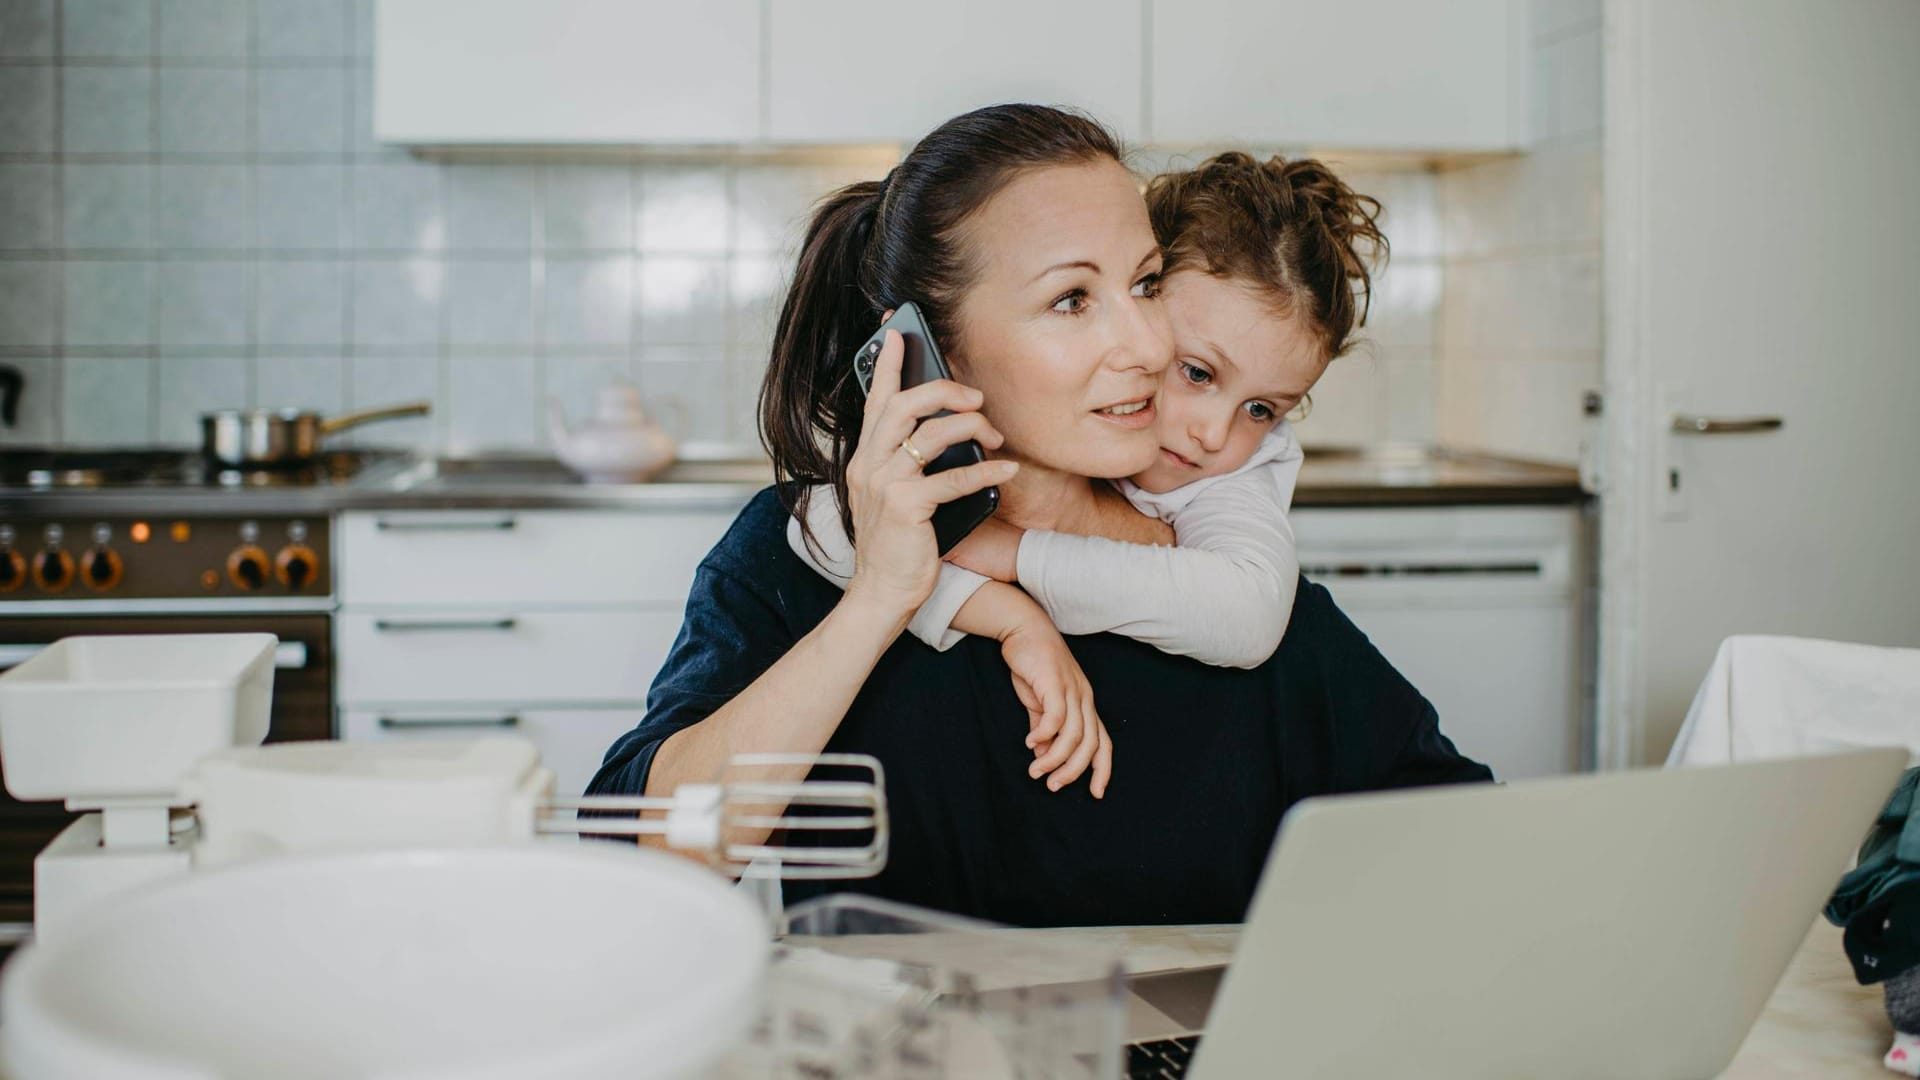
(952, 521)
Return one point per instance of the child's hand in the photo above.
(1064, 731)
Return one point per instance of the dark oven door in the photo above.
(302, 709)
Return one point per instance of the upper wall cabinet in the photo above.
(1373, 74)
(892, 70)
(1397, 75)
(567, 71)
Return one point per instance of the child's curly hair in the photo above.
(1290, 228)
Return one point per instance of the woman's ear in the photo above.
(887, 314)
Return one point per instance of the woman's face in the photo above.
(1062, 329)
(1238, 369)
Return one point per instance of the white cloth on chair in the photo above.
(1774, 697)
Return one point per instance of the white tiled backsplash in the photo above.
(1519, 329)
(194, 214)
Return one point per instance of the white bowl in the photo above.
(121, 717)
(542, 960)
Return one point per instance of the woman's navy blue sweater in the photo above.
(1205, 759)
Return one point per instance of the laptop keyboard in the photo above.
(1161, 1059)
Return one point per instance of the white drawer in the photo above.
(524, 557)
(572, 741)
(500, 656)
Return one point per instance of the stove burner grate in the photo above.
(45, 470)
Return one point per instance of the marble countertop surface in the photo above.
(1819, 1023)
(1375, 476)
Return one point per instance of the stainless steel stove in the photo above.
(59, 544)
(160, 542)
(42, 470)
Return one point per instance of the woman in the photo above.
(1030, 246)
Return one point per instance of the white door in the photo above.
(1763, 250)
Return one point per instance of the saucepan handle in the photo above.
(333, 425)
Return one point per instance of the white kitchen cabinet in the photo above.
(1480, 608)
(1406, 75)
(571, 742)
(433, 654)
(545, 624)
(567, 71)
(1374, 74)
(885, 71)
(522, 557)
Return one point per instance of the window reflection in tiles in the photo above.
(683, 300)
(683, 208)
(589, 300)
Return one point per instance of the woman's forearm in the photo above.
(793, 707)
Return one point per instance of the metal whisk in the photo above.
(847, 816)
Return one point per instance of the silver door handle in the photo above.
(438, 525)
(408, 626)
(1685, 424)
(402, 723)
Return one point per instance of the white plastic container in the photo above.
(126, 717)
(861, 988)
(315, 797)
(563, 962)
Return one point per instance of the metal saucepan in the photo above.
(257, 438)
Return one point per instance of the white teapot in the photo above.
(618, 445)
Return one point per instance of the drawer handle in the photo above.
(1684, 424)
(410, 626)
(1415, 571)
(433, 525)
(403, 723)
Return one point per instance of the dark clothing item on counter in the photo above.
(1903, 1001)
(1878, 902)
(1205, 759)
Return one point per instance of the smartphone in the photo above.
(952, 521)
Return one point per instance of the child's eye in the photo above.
(1195, 374)
(1260, 411)
(1147, 288)
(1072, 303)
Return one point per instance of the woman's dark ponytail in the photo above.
(810, 390)
(871, 246)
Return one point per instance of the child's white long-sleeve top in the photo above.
(1223, 596)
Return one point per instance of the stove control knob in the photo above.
(101, 568)
(295, 566)
(247, 567)
(13, 570)
(53, 570)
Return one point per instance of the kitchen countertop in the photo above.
(1819, 1023)
(1374, 477)
(1409, 475)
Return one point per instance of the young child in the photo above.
(1263, 263)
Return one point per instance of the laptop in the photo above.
(1627, 926)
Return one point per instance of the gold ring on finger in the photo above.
(913, 452)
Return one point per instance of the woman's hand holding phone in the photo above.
(896, 558)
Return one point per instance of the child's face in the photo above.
(1238, 369)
